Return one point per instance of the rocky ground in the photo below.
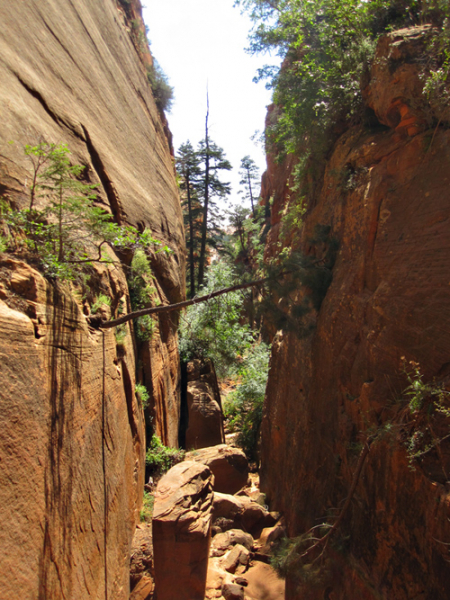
(242, 533)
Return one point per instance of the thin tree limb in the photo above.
(165, 308)
(324, 540)
(179, 305)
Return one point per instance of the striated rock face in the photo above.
(385, 196)
(71, 447)
(73, 439)
(74, 73)
(182, 531)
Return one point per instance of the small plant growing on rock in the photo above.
(142, 394)
(140, 282)
(159, 458)
(426, 402)
(120, 335)
(162, 90)
(70, 233)
(100, 301)
(147, 507)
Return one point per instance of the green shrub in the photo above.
(147, 507)
(426, 401)
(3, 243)
(244, 406)
(121, 334)
(70, 232)
(160, 458)
(289, 559)
(213, 329)
(162, 90)
(326, 48)
(142, 394)
(99, 302)
(141, 287)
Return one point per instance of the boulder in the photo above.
(242, 511)
(229, 466)
(270, 535)
(255, 517)
(226, 505)
(223, 541)
(144, 589)
(205, 418)
(181, 531)
(231, 591)
(239, 556)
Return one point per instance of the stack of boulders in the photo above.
(207, 516)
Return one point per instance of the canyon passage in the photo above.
(286, 435)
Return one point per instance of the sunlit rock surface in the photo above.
(182, 531)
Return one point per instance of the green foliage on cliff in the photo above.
(140, 283)
(326, 47)
(161, 88)
(142, 394)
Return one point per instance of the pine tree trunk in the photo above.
(191, 236)
(202, 260)
(251, 195)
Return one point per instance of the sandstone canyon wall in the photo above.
(73, 436)
(385, 195)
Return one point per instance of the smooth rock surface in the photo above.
(72, 72)
(181, 531)
(72, 449)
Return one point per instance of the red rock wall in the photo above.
(385, 196)
(72, 445)
(73, 442)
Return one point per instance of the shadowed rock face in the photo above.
(205, 418)
(385, 196)
(71, 73)
(73, 443)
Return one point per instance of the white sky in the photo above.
(201, 43)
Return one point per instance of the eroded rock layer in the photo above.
(385, 197)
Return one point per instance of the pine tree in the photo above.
(188, 165)
(213, 161)
(249, 173)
